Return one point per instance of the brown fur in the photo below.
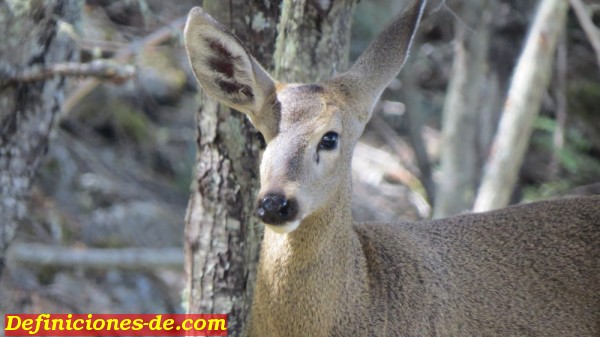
(529, 270)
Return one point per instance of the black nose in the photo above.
(275, 209)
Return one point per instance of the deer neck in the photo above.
(318, 239)
(311, 269)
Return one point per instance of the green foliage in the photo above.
(545, 191)
(367, 21)
(46, 274)
(184, 171)
(573, 157)
(584, 98)
(132, 123)
(161, 73)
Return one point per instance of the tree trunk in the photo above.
(28, 110)
(222, 235)
(314, 39)
(530, 81)
(456, 189)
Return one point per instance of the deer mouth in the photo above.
(286, 228)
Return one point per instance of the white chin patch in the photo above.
(284, 229)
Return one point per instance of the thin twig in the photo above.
(558, 139)
(444, 5)
(585, 19)
(100, 69)
(103, 258)
(90, 44)
(420, 149)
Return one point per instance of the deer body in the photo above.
(526, 270)
(531, 270)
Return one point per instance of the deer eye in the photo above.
(261, 140)
(329, 141)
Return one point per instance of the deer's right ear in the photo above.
(224, 67)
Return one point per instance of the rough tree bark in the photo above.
(222, 236)
(314, 39)
(530, 80)
(30, 37)
(456, 188)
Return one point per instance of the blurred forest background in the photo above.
(101, 227)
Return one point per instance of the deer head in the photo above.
(309, 129)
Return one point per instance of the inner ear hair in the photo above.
(224, 67)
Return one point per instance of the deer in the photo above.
(526, 270)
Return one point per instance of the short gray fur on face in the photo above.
(293, 162)
(529, 270)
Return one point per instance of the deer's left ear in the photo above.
(381, 62)
(223, 66)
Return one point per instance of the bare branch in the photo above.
(101, 69)
(154, 38)
(90, 44)
(585, 19)
(104, 258)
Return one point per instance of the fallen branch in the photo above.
(100, 258)
(101, 69)
(398, 145)
(585, 19)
